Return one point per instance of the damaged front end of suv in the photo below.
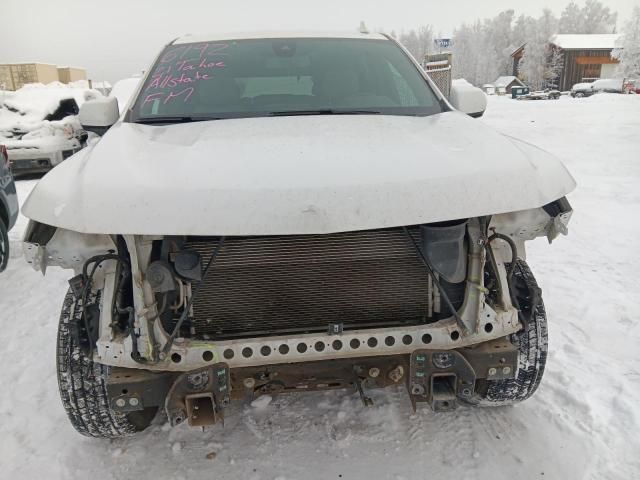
(221, 260)
(187, 324)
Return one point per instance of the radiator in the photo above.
(277, 285)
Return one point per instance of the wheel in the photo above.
(4, 246)
(579, 95)
(82, 383)
(531, 343)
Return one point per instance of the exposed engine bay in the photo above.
(190, 323)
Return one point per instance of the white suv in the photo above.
(285, 213)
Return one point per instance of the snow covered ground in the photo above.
(583, 423)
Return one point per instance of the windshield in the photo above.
(299, 76)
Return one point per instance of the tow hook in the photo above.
(439, 377)
(199, 397)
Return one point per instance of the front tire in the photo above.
(531, 343)
(4, 246)
(82, 383)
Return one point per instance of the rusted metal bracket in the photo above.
(495, 360)
(438, 377)
(131, 389)
(200, 396)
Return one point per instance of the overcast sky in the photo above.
(113, 39)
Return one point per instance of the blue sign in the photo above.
(443, 42)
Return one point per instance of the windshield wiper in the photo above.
(187, 119)
(173, 119)
(324, 111)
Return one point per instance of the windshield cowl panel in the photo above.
(279, 77)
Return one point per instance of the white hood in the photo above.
(294, 175)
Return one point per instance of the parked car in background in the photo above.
(8, 206)
(280, 214)
(541, 95)
(39, 125)
(608, 85)
(632, 86)
(580, 90)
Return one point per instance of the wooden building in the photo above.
(585, 57)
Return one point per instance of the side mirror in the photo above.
(98, 115)
(467, 98)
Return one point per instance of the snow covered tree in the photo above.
(571, 19)
(419, 43)
(482, 50)
(499, 44)
(411, 43)
(534, 66)
(425, 41)
(520, 29)
(629, 53)
(468, 54)
(594, 17)
(553, 67)
(598, 18)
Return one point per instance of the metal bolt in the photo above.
(506, 370)
(120, 402)
(249, 382)
(162, 356)
(133, 401)
(396, 374)
(374, 372)
(417, 389)
(492, 372)
(195, 379)
(443, 360)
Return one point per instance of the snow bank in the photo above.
(612, 99)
